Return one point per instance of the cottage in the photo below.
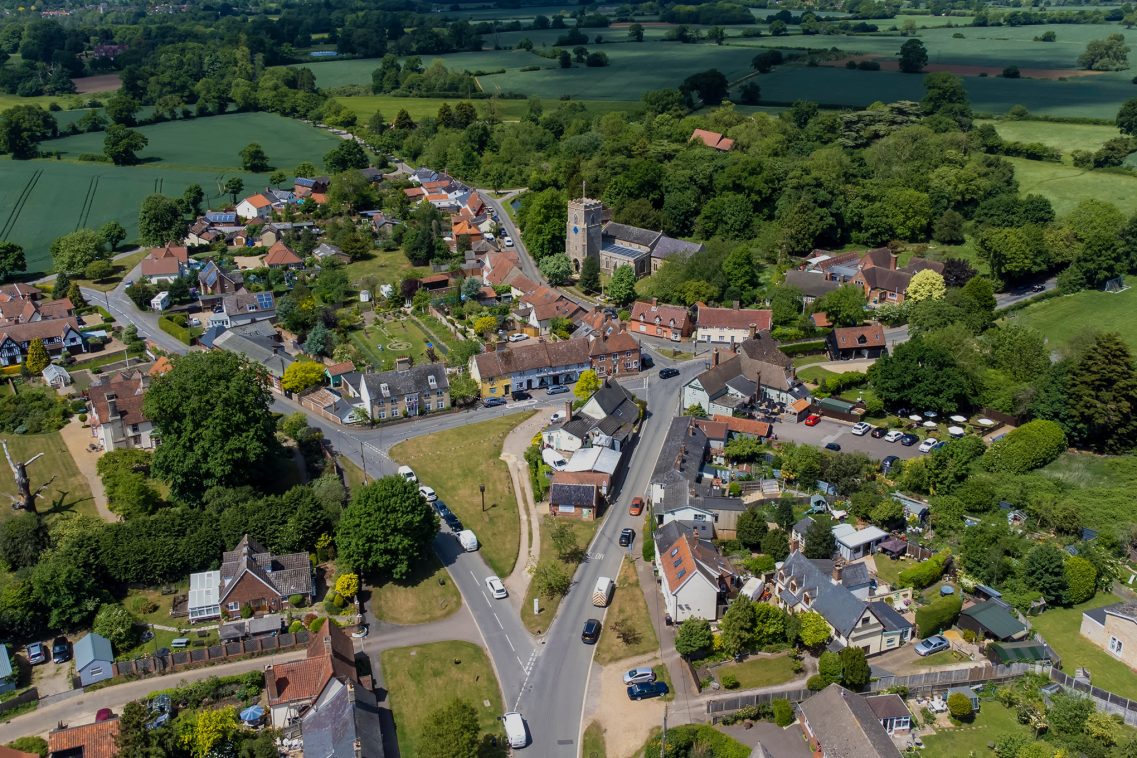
(94, 659)
(536, 365)
(251, 576)
(669, 322)
(606, 420)
(1113, 628)
(730, 325)
(117, 421)
(856, 342)
(406, 391)
(615, 352)
(994, 619)
(255, 207)
(294, 686)
(345, 724)
(694, 578)
(57, 335)
(841, 724)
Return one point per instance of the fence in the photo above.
(24, 697)
(180, 659)
(1103, 700)
(919, 553)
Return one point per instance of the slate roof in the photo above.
(632, 234)
(408, 381)
(743, 386)
(666, 535)
(255, 350)
(840, 607)
(92, 648)
(1124, 610)
(846, 726)
(888, 706)
(810, 283)
(572, 494)
(682, 453)
(666, 246)
(888, 617)
(209, 336)
(240, 303)
(88, 741)
(855, 575)
(802, 526)
(347, 722)
(714, 379)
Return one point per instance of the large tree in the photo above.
(451, 731)
(387, 529)
(919, 375)
(1101, 395)
(543, 217)
(212, 414)
(11, 259)
(752, 528)
(160, 221)
(74, 252)
(253, 158)
(1044, 570)
(622, 288)
(738, 625)
(913, 56)
(589, 275)
(819, 539)
(844, 306)
(344, 156)
(23, 127)
(120, 144)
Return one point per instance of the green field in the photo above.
(1064, 318)
(421, 107)
(1067, 186)
(214, 143)
(1065, 137)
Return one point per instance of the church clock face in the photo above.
(575, 230)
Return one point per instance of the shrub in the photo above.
(94, 158)
(783, 712)
(296, 601)
(939, 615)
(338, 600)
(850, 64)
(1031, 446)
(295, 627)
(930, 718)
(172, 328)
(959, 704)
(869, 66)
(82, 418)
(246, 612)
(730, 681)
(927, 573)
(317, 624)
(817, 683)
(330, 606)
(348, 585)
(143, 605)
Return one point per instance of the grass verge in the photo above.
(540, 622)
(422, 678)
(455, 463)
(630, 608)
(663, 675)
(68, 493)
(418, 599)
(593, 744)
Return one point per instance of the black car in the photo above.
(908, 440)
(60, 650)
(888, 462)
(441, 509)
(519, 395)
(626, 537)
(666, 373)
(452, 522)
(1038, 288)
(647, 689)
(591, 632)
(878, 432)
(490, 402)
(646, 361)
(833, 446)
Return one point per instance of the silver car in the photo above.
(641, 675)
(932, 645)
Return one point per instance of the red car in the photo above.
(812, 420)
(104, 714)
(637, 506)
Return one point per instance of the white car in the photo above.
(407, 473)
(894, 435)
(557, 417)
(928, 445)
(195, 322)
(428, 493)
(488, 236)
(497, 589)
(518, 337)
(862, 428)
(640, 675)
(508, 241)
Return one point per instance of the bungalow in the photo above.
(995, 619)
(713, 140)
(840, 724)
(856, 342)
(255, 207)
(165, 264)
(117, 421)
(57, 335)
(574, 500)
(325, 250)
(252, 577)
(730, 325)
(669, 322)
(281, 255)
(1113, 628)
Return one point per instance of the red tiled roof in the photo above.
(7, 752)
(648, 314)
(799, 405)
(730, 318)
(340, 368)
(820, 320)
(837, 259)
(95, 740)
(715, 430)
(413, 192)
(744, 425)
(281, 255)
(712, 139)
(161, 366)
(597, 478)
(170, 251)
(258, 201)
(851, 337)
(160, 266)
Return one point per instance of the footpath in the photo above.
(513, 453)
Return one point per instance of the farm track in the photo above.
(88, 201)
(19, 206)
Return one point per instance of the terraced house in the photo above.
(529, 367)
(406, 391)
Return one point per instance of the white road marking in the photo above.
(495, 618)
(519, 661)
(472, 574)
(487, 600)
(511, 647)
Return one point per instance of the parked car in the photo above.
(626, 537)
(60, 650)
(557, 417)
(195, 322)
(888, 462)
(452, 522)
(591, 632)
(1038, 288)
(862, 428)
(641, 675)
(894, 435)
(441, 509)
(650, 689)
(646, 361)
(490, 402)
(928, 445)
(104, 714)
(667, 373)
(407, 473)
(428, 493)
(908, 440)
(496, 587)
(519, 395)
(833, 446)
(878, 432)
(637, 506)
(932, 645)
(518, 337)
(508, 241)
(360, 633)
(36, 654)
(557, 390)
(812, 420)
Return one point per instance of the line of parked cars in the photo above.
(60, 651)
(642, 684)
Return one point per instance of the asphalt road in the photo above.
(528, 267)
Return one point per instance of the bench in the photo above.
(180, 642)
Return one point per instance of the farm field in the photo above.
(42, 200)
(1065, 137)
(1063, 318)
(1067, 186)
(421, 107)
(214, 143)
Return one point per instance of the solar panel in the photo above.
(212, 278)
(264, 300)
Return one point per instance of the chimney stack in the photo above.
(793, 546)
(654, 302)
(837, 572)
(736, 304)
(491, 347)
(112, 409)
(715, 358)
(753, 331)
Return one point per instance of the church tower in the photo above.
(582, 235)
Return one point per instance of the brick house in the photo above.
(856, 342)
(613, 354)
(95, 740)
(406, 391)
(669, 322)
(281, 255)
(117, 421)
(730, 325)
(294, 687)
(250, 576)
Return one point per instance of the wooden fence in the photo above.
(24, 697)
(1103, 700)
(193, 657)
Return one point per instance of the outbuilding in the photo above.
(94, 659)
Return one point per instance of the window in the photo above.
(657, 330)
(97, 671)
(891, 641)
(234, 606)
(865, 621)
(428, 405)
(1115, 645)
(644, 329)
(700, 517)
(602, 358)
(382, 414)
(674, 552)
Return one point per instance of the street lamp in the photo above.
(482, 487)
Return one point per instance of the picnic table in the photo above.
(180, 642)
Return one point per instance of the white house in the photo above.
(160, 302)
(730, 325)
(853, 544)
(256, 206)
(117, 420)
(693, 575)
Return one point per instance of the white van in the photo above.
(407, 473)
(514, 729)
(603, 592)
(468, 540)
(553, 459)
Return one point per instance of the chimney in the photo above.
(692, 430)
(112, 409)
(753, 331)
(491, 347)
(736, 304)
(715, 358)
(837, 572)
(654, 302)
(793, 546)
(402, 363)
(568, 410)
(502, 344)
(274, 350)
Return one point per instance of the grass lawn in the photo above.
(122, 267)
(663, 675)
(943, 658)
(163, 638)
(1059, 627)
(992, 720)
(454, 463)
(422, 678)
(1065, 318)
(628, 606)
(370, 338)
(444, 338)
(1066, 186)
(386, 265)
(418, 599)
(889, 570)
(162, 603)
(814, 374)
(806, 360)
(1065, 137)
(69, 493)
(759, 672)
(354, 473)
(540, 622)
(593, 744)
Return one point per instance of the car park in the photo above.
(36, 654)
(893, 435)
(928, 445)
(861, 428)
(428, 493)
(637, 506)
(407, 473)
(649, 689)
(932, 645)
(518, 337)
(490, 402)
(641, 675)
(496, 587)
(833, 446)
(519, 395)
(556, 390)
(591, 632)
(626, 537)
(667, 373)
(878, 432)
(60, 650)
(908, 440)
(812, 420)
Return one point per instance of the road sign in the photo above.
(536, 606)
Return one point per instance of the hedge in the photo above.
(1031, 446)
(939, 615)
(783, 712)
(926, 573)
(802, 347)
(683, 738)
(1039, 298)
(179, 333)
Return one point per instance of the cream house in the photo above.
(1113, 628)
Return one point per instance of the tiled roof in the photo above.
(407, 381)
(715, 430)
(846, 726)
(880, 257)
(7, 752)
(731, 318)
(712, 139)
(170, 251)
(888, 617)
(871, 335)
(888, 706)
(340, 368)
(838, 259)
(160, 267)
(916, 265)
(714, 379)
(258, 201)
(89, 741)
(665, 315)
(880, 278)
(745, 425)
(161, 366)
(840, 607)
(56, 327)
(619, 342)
(811, 283)
(128, 390)
(597, 478)
(281, 255)
(799, 405)
(346, 725)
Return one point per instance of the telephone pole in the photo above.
(663, 742)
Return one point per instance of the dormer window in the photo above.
(385, 389)
(641, 317)
(432, 382)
